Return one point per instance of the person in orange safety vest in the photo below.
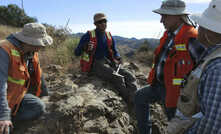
(99, 55)
(21, 82)
(173, 59)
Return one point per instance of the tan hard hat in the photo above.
(99, 16)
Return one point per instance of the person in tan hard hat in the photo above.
(21, 82)
(99, 55)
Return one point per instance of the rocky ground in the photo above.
(79, 104)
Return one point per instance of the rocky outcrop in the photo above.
(81, 104)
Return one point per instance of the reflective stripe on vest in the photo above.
(180, 47)
(19, 82)
(15, 53)
(108, 35)
(153, 65)
(177, 81)
(85, 57)
(93, 34)
(11, 79)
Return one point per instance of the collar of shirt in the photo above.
(14, 41)
(171, 35)
(209, 50)
(176, 31)
(17, 44)
(98, 33)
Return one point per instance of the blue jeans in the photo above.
(143, 97)
(30, 108)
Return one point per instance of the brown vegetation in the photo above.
(7, 30)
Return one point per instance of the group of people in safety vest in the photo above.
(185, 72)
(185, 75)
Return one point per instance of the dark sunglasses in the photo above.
(101, 21)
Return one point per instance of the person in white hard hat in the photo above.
(200, 98)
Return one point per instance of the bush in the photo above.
(61, 55)
(12, 15)
(7, 30)
(59, 35)
(144, 54)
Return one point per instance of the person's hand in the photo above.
(90, 46)
(119, 60)
(4, 126)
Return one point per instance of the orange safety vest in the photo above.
(87, 57)
(18, 76)
(177, 64)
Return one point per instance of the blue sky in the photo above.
(127, 18)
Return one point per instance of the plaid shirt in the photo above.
(209, 91)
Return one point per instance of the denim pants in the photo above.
(30, 108)
(143, 97)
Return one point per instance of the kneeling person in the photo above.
(21, 76)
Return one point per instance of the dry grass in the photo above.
(62, 55)
(7, 30)
(145, 58)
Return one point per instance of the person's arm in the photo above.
(4, 109)
(83, 41)
(44, 87)
(115, 51)
(210, 102)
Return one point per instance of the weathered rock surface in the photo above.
(79, 104)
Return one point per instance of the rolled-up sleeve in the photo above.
(5, 113)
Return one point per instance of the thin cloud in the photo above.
(129, 29)
(197, 1)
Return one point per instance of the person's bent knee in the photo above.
(143, 95)
(41, 107)
(32, 108)
(138, 98)
(38, 110)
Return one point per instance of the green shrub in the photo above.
(59, 35)
(12, 15)
(65, 53)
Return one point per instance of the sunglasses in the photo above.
(101, 21)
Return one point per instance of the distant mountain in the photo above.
(132, 43)
(77, 35)
(136, 43)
